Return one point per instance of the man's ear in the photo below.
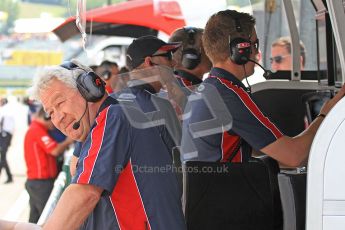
(148, 62)
(302, 66)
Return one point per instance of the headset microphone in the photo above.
(76, 125)
(267, 72)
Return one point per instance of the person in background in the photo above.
(251, 129)
(32, 106)
(59, 137)
(191, 61)
(40, 152)
(7, 125)
(93, 67)
(149, 51)
(281, 58)
(123, 78)
(108, 72)
(123, 69)
(56, 134)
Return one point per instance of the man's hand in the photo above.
(10, 225)
(331, 103)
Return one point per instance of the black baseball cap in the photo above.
(147, 46)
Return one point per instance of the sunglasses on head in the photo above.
(278, 59)
(168, 55)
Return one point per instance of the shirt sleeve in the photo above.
(248, 120)
(105, 152)
(77, 149)
(47, 143)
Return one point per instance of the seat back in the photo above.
(293, 197)
(229, 196)
(313, 102)
(281, 101)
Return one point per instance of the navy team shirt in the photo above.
(125, 162)
(250, 127)
(157, 109)
(186, 79)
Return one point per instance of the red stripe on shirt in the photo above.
(96, 144)
(229, 143)
(108, 89)
(127, 202)
(252, 107)
(187, 84)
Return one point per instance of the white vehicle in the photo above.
(100, 48)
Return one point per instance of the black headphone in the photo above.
(190, 56)
(89, 84)
(240, 48)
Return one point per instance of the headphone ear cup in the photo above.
(91, 86)
(190, 58)
(240, 50)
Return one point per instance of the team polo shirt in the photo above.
(186, 79)
(156, 109)
(250, 127)
(37, 148)
(132, 166)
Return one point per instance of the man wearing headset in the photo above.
(230, 41)
(148, 56)
(144, 55)
(191, 61)
(40, 152)
(113, 187)
(150, 51)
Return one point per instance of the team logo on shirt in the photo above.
(45, 140)
(201, 87)
(127, 96)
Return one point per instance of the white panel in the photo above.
(333, 223)
(319, 154)
(334, 167)
(334, 208)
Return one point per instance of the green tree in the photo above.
(12, 9)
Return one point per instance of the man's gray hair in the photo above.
(46, 75)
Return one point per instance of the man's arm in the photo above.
(74, 206)
(61, 147)
(293, 151)
(9, 225)
(73, 165)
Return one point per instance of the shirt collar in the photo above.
(222, 73)
(107, 102)
(189, 77)
(141, 85)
